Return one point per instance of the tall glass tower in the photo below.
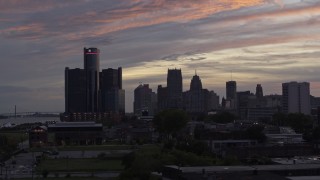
(174, 87)
(91, 67)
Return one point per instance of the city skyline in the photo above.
(250, 41)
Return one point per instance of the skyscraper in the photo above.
(162, 98)
(198, 100)
(174, 85)
(91, 95)
(231, 89)
(194, 99)
(112, 94)
(143, 100)
(231, 93)
(75, 90)
(296, 97)
(259, 91)
(91, 67)
(213, 101)
(196, 83)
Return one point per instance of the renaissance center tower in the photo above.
(91, 67)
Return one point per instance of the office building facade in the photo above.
(143, 100)
(198, 100)
(195, 100)
(162, 98)
(91, 67)
(75, 90)
(112, 94)
(174, 88)
(259, 91)
(231, 95)
(296, 97)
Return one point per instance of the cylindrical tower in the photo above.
(91, 66)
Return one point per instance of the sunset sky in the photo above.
(260, 41)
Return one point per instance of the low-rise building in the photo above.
(38, 136)
(76, 133)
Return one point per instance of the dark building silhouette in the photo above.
(76, 133)
(174, 87)
(213, 101)
(231, 89)
(195, 100)
(144, 100)
(112, 94)
(259, 91)
(162, 99)
(198, 100)
(231, 94)
(196, 84)
(111, 78)
(171, 97)
(243, 99)
(296, 97)
(91, 94)
(75, 90)
(38, 136)
(91, 67)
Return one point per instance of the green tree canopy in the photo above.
(256, 133)
(222, 117)
(299, 122)
(170, 121)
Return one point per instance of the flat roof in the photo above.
(74, 124)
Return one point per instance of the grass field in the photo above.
(80, 165)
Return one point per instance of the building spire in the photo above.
(231, 75)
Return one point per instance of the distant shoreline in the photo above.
(23, 120)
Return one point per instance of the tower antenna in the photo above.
(231, 75)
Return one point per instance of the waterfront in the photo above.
(23, 120)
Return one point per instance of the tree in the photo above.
(128, 160)
(223, 118)
(139, 166)
(279, 118)
(299, 122)
(256, 133)
(194, 146)
(45, 173)
(170, 121)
